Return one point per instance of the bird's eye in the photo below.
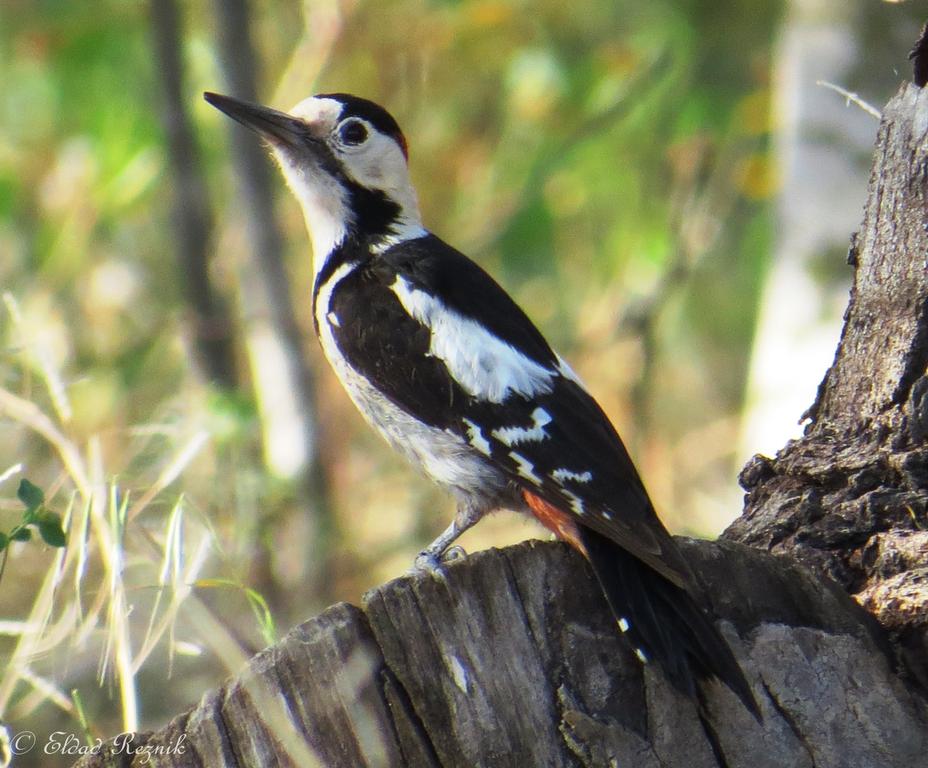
(352, 133)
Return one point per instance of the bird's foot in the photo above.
(426, 561)
(430, 560)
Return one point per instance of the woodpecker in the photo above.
(443, 363)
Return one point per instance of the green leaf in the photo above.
(4, 541)
(50, 529)
(30, 495)
(263, 614)
(21, 534)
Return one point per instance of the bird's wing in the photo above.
(561, 447)
(443, 341)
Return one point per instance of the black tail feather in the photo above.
(663, 622)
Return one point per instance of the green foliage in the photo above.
(30, 495)
(35, 515)
(260, 609)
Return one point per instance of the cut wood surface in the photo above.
(510, 658)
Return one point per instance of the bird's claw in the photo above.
(427, 561)
(431, 561)
(452, 554)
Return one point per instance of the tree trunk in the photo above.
(849, 497)
(193, 221)
(819, 148)
(510, 658)
(284, 384)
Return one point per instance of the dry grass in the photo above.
(90, 600)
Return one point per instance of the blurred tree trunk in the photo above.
(819, 148)
(212, 326)
(283, 382)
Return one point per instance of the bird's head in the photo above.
(345, 160)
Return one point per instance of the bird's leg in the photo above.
(440, 550)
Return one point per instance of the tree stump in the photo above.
(510, 658)
(850, 498)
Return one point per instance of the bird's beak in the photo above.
(278, 128)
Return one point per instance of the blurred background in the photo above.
(668, 188)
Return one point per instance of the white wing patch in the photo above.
(475, 437)
(525, 469)
(482, 364)
(560, 476)
(510, 436)
(576, 503)
(568, 373)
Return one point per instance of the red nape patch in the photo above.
(556, 520)
(401, 140)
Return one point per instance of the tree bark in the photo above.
(511, 658)
(849, 498)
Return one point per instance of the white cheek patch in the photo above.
(380, 164)
(482, 364)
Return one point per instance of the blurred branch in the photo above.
(851, 98)
(284, 384)
(192, 218)
(323, 23)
